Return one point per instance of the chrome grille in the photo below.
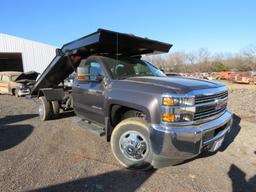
(208, 113)
(200, 99)
(207, 105)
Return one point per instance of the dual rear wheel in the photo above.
(47, 109)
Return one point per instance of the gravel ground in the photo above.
(58, 155)
(242, 100)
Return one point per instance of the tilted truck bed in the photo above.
(102, 42)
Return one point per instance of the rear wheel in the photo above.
(44, 109)
(130, 144)
(55, 107)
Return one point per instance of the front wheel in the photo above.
(16, 93)
(130, 144)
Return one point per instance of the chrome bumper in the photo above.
(172, 145)
(23, 92)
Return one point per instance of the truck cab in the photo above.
(103, 72)
(151, 120)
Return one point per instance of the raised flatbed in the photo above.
(101, 42)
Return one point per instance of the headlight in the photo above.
(178, 109)
(178, 101)
(21, 86)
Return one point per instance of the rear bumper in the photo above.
(172, 145)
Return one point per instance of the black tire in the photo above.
(133, 113)
(127, 126)
(16, 93)
(55, 107)
(46, 109)
(13, 92)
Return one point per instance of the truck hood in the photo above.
(27, 77)
(176, 84)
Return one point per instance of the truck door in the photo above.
(89, 97)
(4, 84)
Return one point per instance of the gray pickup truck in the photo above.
(151, 120)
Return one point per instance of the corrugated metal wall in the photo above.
(35, 56)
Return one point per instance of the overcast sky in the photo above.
(219, 25)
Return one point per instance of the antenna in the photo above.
(117, 52)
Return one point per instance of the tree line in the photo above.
(203, 61)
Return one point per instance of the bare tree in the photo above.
(192, 58)
(203, 55)
(250, 56)
(203, 61)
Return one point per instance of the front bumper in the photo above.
(23, 92)
(173, 145)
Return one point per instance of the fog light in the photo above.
(168, 117)
(177, 117)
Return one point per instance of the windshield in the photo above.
(14, 77)
(124, 68)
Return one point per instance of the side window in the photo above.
(141, 69)
(5, 78)
(95, 69)
(14, 77)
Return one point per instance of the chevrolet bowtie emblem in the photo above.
(219, 103)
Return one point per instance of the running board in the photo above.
(92, 127)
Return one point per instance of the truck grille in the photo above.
(207, 111)
(200, 99)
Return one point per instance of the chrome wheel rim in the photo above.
(134, 146)
(40, 110)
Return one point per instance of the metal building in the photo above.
(18, 54)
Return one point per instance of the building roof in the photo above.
(35, 55)
(4, 36)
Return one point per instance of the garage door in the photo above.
(11, 62)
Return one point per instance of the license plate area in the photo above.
(217, 144)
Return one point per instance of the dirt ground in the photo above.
(58, 155)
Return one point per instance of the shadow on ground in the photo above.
(121, 180)
(9, 119)
(65, 114)
(12, 135)
(239, 182)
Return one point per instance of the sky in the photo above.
(218, 25)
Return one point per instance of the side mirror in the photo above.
(98, 78)
(83, 75)
(59, 52)
(162, 70)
